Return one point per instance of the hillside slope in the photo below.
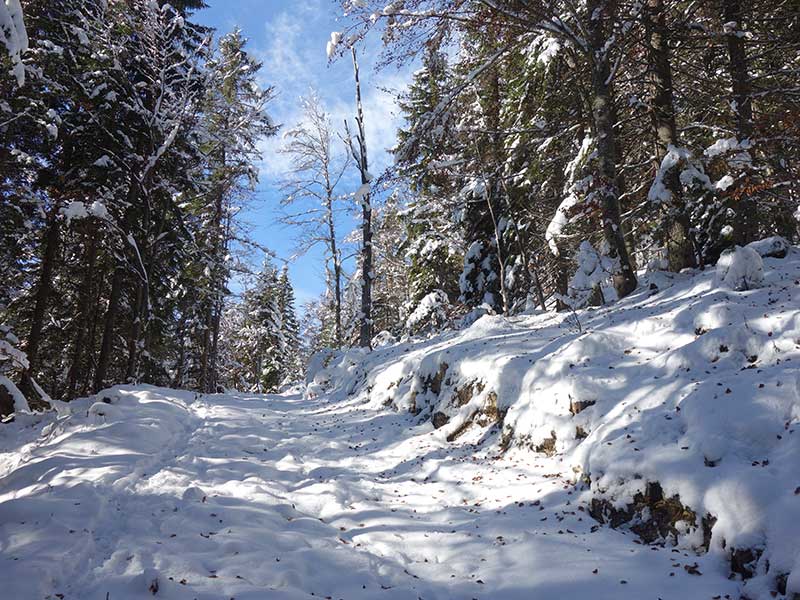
(675, 410)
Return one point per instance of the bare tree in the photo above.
(310, 192)
(363, 196)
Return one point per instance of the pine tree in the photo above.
(236, 121)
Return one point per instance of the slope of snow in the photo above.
(685, 383)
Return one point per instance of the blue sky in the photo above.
(289, 37)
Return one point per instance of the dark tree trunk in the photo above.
(107, 344)
(135, 334)
(43, 291)
(205, 353)
(680, 252)
(94, 318)
(84, 311)
(746, 228)
(603, 118)
(115, 296)
(365, 329)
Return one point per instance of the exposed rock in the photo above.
(486, 416)
(744, 560)
(781, 582)
(466, 392)
(652, 516)
(489, 413)
(434, 384)
(547, 445)
(460, 430)
(440, 419)
(578, 406)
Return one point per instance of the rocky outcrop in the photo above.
(654, 517)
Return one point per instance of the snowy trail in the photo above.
(253, 497)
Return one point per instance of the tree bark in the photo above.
(84, 310)
(44, 288)
(337, 267)
(135, 334)
(106, 345)
(602, 115)
(746, 228)
(680, 252)
(365, 329)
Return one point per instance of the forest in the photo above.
(548, 148)
(582, 196)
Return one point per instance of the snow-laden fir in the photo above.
(464, 465)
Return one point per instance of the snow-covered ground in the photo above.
(679, 405)
(348, 491)
(279, 497)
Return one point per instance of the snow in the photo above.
(560, 220)
(544, 49)
(104, 162)
(14, 36)
(349, 491)
(252, 497)
(740, 269)
(8, 352)
(336, 38)
(684, 382)
(431, 314)
(724, 183)
(725, 145)
(79, 210)
(592, 272)
(775, 246)
(361, 193)
(674, 156)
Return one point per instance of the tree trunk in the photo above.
(94, 318)
(215, 325)
(134, 334)
(202, 382)
(106, 346)
(44, 289)
(107, 343)
(84, 310)
(680, 253)
(365, 332)
(746, 228)
(180, 365)
(602, 115)
(337, 268)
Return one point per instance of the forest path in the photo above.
(278, 497)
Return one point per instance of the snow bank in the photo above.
(740, 269)
(775, 246)
(692, 382)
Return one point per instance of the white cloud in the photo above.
(295, 62)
